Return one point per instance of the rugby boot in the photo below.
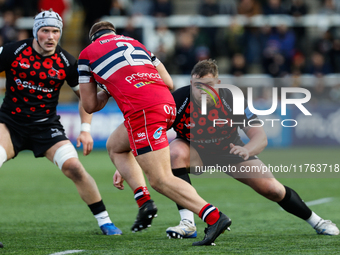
(185, 229)
(110, 229)
(326, 227)
(213, 231)
(146, 213)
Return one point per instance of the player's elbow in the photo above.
(170, 84)
(89, 108)
(89, 111)
(264, 142)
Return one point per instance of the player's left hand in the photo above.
(85, 138)
(118, 180)
(239, 150)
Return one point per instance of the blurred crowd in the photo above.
(273, 50)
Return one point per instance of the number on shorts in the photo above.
(168, 109)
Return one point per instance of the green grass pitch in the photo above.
(41, 212)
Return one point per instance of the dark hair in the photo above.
(101, 25)
(205, 67)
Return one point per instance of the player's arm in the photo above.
(162, 72)
(257, 139)
(85, 136)
(165, 76)
(6, 55)
(257, 142)
(91, 100)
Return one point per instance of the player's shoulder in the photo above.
(181, 97)
(226, 94)
(66, 56)
(124, 38)
(112, 39)
(181, 92)
(128, 39)
(14, 48)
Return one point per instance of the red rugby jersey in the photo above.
(123, 67)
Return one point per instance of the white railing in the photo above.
(148, 23)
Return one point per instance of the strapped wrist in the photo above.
(155, 61)
(86, 127)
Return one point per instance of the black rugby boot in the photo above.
(213, 231)
(146, 213)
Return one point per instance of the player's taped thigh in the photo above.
(3, 155)
(64, 153)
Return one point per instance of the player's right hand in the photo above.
(118, 180)
(239, 150)
(86, 139)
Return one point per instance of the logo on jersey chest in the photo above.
(190, 125)
(140, 84)
(24, 65)
(25, 84)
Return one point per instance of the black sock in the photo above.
(183, 174)
(97, 207)
(293, 204)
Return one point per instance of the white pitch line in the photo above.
(318, 201)
(67, 252)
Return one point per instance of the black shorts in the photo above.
(211, 158)
(35, 136)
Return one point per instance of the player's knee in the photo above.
(113, 148)
(271, 192)
(109, 147)
(179, 156)
(63, 153)
(3, 155)
(156, 186)
(111, 151)
(157, 183)
(74, 170)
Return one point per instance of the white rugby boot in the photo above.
(326, 227)
(185, 229)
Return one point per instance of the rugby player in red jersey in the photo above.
(36, 69)
(134, 77)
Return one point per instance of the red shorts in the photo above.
(147, 128)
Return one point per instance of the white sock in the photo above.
(103, 218)
(188, 215)
(314, 219)
(3, 155)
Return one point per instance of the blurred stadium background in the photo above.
(257, 43)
